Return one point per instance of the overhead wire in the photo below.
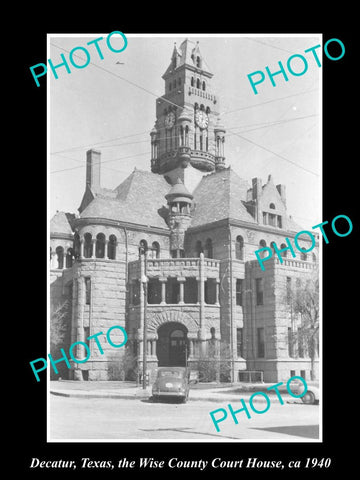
(174, 104)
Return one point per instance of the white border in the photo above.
(320, 133)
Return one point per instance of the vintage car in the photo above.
(312, 394)
(171, 382)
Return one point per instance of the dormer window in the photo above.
(272, 206)
(198, 61)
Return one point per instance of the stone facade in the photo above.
(153, 258)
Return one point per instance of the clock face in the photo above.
(202, 119)
(170, 120)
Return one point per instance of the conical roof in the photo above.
(178, 192)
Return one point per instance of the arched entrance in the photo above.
(172, 345)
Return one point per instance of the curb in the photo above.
(147, 395)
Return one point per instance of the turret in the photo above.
(179, 200)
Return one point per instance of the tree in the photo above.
(60, 334)
(303, 301)
(215, 365)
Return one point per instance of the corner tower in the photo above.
(187, 139)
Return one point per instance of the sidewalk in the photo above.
(129, 390)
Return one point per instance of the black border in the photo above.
(339, 366)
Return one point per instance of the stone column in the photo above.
(181, 281)
(82, 247)
(93, 241)
(163, 281)
(217, 292)
(106, 255)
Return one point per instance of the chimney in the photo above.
(256, 188)
(281, 190)
(93, 165)
(256, 194)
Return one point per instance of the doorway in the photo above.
(172, 345)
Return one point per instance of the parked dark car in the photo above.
(171, 382)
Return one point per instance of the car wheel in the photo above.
(308, 398)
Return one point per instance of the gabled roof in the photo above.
(136, 200)
(61, 223)
(220, 195)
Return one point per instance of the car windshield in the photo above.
(171, 373)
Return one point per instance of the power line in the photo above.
(106, 161)
(225, 112)
(276, 154)
(118, 76)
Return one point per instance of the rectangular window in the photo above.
(260, 342)
(135, 292)
(87, 290)
(191, 290)
(239, 291)
(279, 219)
(154, 291)
(86, 335)
(290, 343)
(303, 374)
(239, 342)
(288, 290)
(272, 219)
(259, 291)
(172, 291)
(292, 373)
(210, 291)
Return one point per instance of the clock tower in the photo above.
(187, 139)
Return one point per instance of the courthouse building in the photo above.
(172, 249)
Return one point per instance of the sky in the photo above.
(109, 105)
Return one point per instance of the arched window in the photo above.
(179, 81)
(198, 61)
(208, 248)
(156, 249)
(112, 247)
(60, 257)
(203, 85)
(303, 256)
(69, 257)
(197, 83)
(192, 81)
(100, 246)
(198, 248)
(262, 244)
(88, 247)
(313, 256)
(143, 246)
(239, 248)
(76, 245)
(272, 206)
(284, 253)
(273, 246)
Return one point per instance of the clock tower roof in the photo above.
(187, 54)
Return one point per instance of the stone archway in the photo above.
(172, 347)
